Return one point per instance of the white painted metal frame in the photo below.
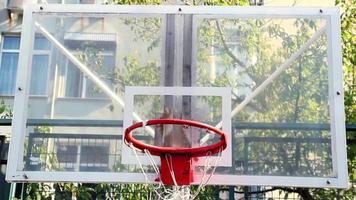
(338, 179)
(16, 150)
(224, 92)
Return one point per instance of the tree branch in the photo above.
(228, 51)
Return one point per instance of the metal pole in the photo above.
(245, 165)
(12, 191)
(231, 192)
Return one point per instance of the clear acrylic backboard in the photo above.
(271, 78)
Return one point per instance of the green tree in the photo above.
(5, 110)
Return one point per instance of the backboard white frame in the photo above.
(224, 92)
(339, 178)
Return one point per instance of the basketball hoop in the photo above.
(177, 163)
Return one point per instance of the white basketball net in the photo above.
(177, 192)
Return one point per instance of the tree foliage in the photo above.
(5, 110)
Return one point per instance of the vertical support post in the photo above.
(23, 191)
(187, 101)
(168, 76)
(232, 169)
(169, 51)
(217, 192)
(187, 64)
(246, 143)
(12, 194)
(187, 50)
(231, 192)
(172, 56)
(177, 67)
(297, 154)
(16, 190)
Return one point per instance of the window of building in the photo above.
(9, 64)
(67, 156)
(8, 67)
(83, 157)
(97, 47)
(78, 85)
(40, 66)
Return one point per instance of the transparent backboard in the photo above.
(269, 77)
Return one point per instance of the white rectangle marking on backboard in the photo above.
(224, 92)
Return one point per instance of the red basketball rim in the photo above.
(193, 151)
